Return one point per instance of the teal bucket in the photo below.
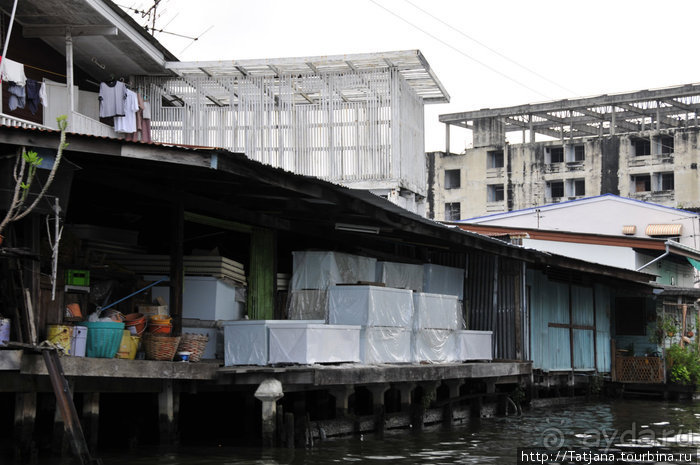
(103, 338)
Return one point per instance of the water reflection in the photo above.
(488, 441)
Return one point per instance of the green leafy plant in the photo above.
(24, 174)
(683, 364)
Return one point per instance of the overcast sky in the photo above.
(562, 49)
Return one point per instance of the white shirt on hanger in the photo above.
(127, 123)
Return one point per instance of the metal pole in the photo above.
(7, 42)
(69, 73)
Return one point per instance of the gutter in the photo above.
(657, 258)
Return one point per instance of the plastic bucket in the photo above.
(135, 322)
(60, 335)
(78, 341)
(103, 338)
(159, 329)
(4, 331)
(160, 319)
(128, 346)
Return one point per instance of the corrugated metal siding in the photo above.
(558, 356)
(494, 300)
(603, 304)
(584, 356)
(582, 305)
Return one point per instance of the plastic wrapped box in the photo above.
(320, 270)
(370, 306)
(385, 345)
(206, 298)
(436, 311)
(438, 279)
(400, 275)
(308, 304)
(246, 342)
(474, 345)
(314, 343)
(434, 345)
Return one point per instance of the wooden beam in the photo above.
(177, 265)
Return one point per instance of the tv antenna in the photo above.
(152, 14)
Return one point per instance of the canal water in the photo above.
(486, 441)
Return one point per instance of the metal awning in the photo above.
(663, 230)
(411, 65)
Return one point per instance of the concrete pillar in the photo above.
(405, 390)
(91, 418)
(429, 388)
(342, 395)
(166, 413)
(453, 385)
(448, 412)
(25, 417)
(475, 407)
(269, 392)
(378, 391)
(490, 387)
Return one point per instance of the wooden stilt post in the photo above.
(91, 418)
(25, 417)
(166, 413)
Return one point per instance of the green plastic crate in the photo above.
(78, 277)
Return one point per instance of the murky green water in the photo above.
(493, 440)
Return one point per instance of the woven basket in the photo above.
(194, 343)
(161, 348)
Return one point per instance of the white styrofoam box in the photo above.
(385, 345)
(206, 298)
(438, 279)
(434, 345)
(246, 342)
(400, 275)
(370, 306)
(474, 345)
(314, 343)
(319, 270)
(212, 342)
(308, 304)
(436, 311)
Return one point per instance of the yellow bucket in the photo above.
(128, 346)
(59, 335)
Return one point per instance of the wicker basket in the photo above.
(161, 348)
(194, 343)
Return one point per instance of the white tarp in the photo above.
(385, 345)
(400, 275)
(370, 306)
(434, 345)
(319, 270)
(307, 304)
(246, 342)
(436, 311)
(474, 345)
(438, 279)
(314, 343)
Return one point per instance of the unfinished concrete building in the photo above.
(642, 145)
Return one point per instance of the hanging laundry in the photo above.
(33, 95)
(18, 96)
(112, 99)
(13, 71)
(127, 123)
(43, 96)
(136, 136)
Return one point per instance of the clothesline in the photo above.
(44, 70)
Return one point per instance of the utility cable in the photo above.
(490, 68)
(489, 48)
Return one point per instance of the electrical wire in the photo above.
(489, 48)
(434, 37)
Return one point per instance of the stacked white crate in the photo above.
(401, 275)
(437, 320)
(315, 271)
(385, 315)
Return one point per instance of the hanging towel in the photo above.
(13, 72)
(43, 96)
